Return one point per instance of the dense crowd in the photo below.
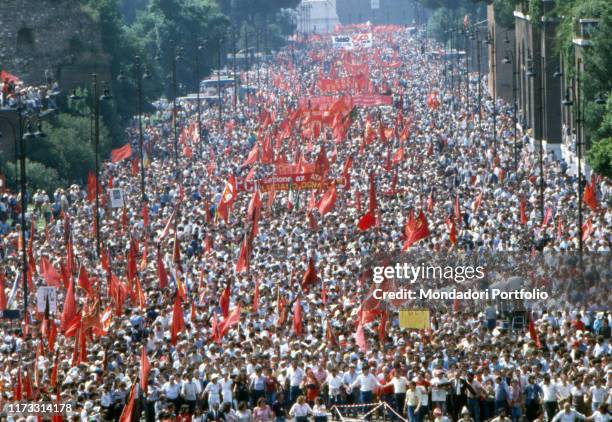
(165, 326)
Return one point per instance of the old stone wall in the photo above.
(52, 35)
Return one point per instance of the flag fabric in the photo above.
(590, 196)
(121, 153)
(328, 200)
(587, 229)
(224, 301)
(69, 311)
(297, 318)
(83, 281)
(128, 409)
(360, 338)
(49, 273)
(232, 319)
(523, 214)
(366, 221)
(256, 296)
(310, 276)
(416, 231)
(533, 333)
(145, 367)
(178, 321)
(547, 216)
(2, 293)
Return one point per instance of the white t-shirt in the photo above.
(400, 385)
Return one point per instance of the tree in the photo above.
(38, 176)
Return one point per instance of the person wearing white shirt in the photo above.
(549, 396)
(601, 414)
(367, 383)
(189, 392)
(300, 410)
(213, 390)
(226, 389)
(568, 415)
(296, 376)
(334, 383)
(400, 385)
(172, 390)
(598, 394)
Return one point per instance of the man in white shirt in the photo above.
(172, 390)
(549, 396)
(213, 390)
(568, 415)
(400, 385)
(334, 383)
(296, 375)
(367, 383)
(189, 392)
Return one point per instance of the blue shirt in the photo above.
(532, 392)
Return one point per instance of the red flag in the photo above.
(360, 338)
(366, 221)
(2, 293)
(312, 222)
(477, 202)
(178, 321)
(398, 155)
(91, 186)
(297, 318)
(452, 232)
(145, 367)
(523, 215)
(310, 276)
(121, 153)
(242, 264)
(49, 273)
(145, 215)
(587, 229)
(416, 231)
(128, 409)
(17, 393)
(533, 333)
(162, 275)
(54, 371)
(232, 319)
(547, 217)
(69, 311)
(328, 200)
(253, 156)
(457, 209)
(430, 203)
(382, 326)
(6, 76)
(224, 302)
(590, 196)
(83, 281)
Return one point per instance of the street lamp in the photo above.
(531, 74)
(22, 133)
(489, 40)
(140, 74)
(176, 57)
(510, 59)
(95, 115)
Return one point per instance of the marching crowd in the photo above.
(163, 326)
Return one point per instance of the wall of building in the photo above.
(39, 35)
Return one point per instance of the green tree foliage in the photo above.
(504, 13)
(600, 157)
(38, 176)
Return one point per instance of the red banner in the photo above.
(366, 100)
(307, 181)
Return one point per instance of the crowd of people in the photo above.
(212, 300)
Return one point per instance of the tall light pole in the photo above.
(176, 57)
(510, 59)
(198, 52)
(140, 74)
(22, 132)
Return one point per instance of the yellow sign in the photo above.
(417, 319)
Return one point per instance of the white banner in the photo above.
(342, 41)
(349, 42)
(116, 198)
(375, 4)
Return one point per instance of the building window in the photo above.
(25, 38)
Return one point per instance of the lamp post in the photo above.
(96, 99)
(22, 132)
(220, 97)
(490, 40)
(198, 51)
(510, 59)
(140, 74)
(176, 57)
(531, 74)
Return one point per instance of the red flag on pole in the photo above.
(328, 200)
(178, 321)
(416, 231)
(256, 296)
(523, 215)
(145, 367)
(224, 302)
(69, 311)
(121, 153)
(126, 414)
(49, 273)
(532, 332)
(162, 275)
(2, 293)
(310, 276)
(297, 318)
